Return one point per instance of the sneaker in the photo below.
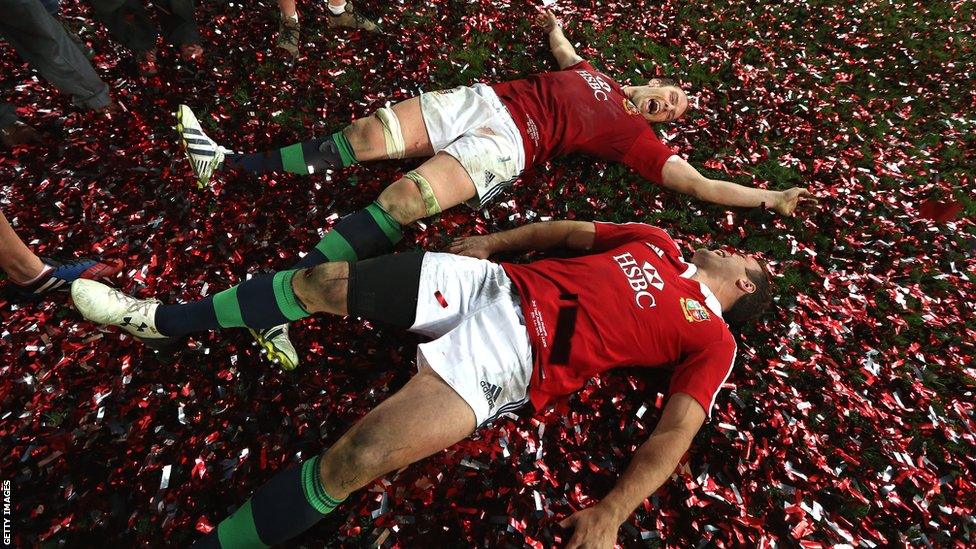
(351, 19)
(59, 276)
(288, 35)
(205, 154)
(103, 304)
(277, 346)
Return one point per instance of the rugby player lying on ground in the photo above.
(480, 139)
(503, 335)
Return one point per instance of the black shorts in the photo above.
(385, 288)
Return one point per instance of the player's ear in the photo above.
(745, 285)
(654, 82)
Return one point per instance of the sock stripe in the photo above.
(391, 227)
(316, 484)
(336, 248)
(346, 153)
(312, 487)
(368, 232)
(239, 530)
(285, 296)
(293, 159)
(227, 307)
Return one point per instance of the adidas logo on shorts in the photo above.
(492, 392)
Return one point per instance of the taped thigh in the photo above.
(392, 133)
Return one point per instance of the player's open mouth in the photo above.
(652, 106)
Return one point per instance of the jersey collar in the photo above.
(710, 300)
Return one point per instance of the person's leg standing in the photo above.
(179, 26)
(52, 6)
(43, 42)
(289, 30)
(128, 22)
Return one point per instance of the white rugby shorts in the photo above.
(471, 124)
(482, 347)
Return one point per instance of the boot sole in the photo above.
(272, 353)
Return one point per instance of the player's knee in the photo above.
(403, 201)
(322, 287)
(365, 135)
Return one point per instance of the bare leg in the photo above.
(16, 259)
(448, 179)
(422, 418)
(287, 8)
(323, 288)
(366, 134)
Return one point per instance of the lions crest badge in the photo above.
(694, 311)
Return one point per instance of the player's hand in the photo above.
(546, 21)
(472, 246)
(790, 199)
(593, 528)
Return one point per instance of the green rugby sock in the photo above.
(360, 235)
(301, 158)
(269, 300)
(285, 506)
(262, 302)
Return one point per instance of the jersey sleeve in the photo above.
(648, 155)
(702, 373)
(611, 235)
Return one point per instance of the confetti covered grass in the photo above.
(849, 418)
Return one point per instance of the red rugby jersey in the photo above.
(630, 303)
(579, 109)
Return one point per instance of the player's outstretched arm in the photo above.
(561, 49)
(653, 463)
(678, 175)
(577, 235)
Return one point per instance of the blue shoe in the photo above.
(59, 276)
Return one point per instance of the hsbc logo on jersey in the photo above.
(600, 88)
(641, 279)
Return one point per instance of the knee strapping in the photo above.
(426, 192)
(392, 134)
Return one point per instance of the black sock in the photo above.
(285, 506)
(262, 302)
(303, 158)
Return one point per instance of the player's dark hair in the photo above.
(667, 81)
(749, 307)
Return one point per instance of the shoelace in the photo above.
(70, 264)
(138, 305)
(290, 33)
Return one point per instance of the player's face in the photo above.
(659, 103)
(727, 262)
